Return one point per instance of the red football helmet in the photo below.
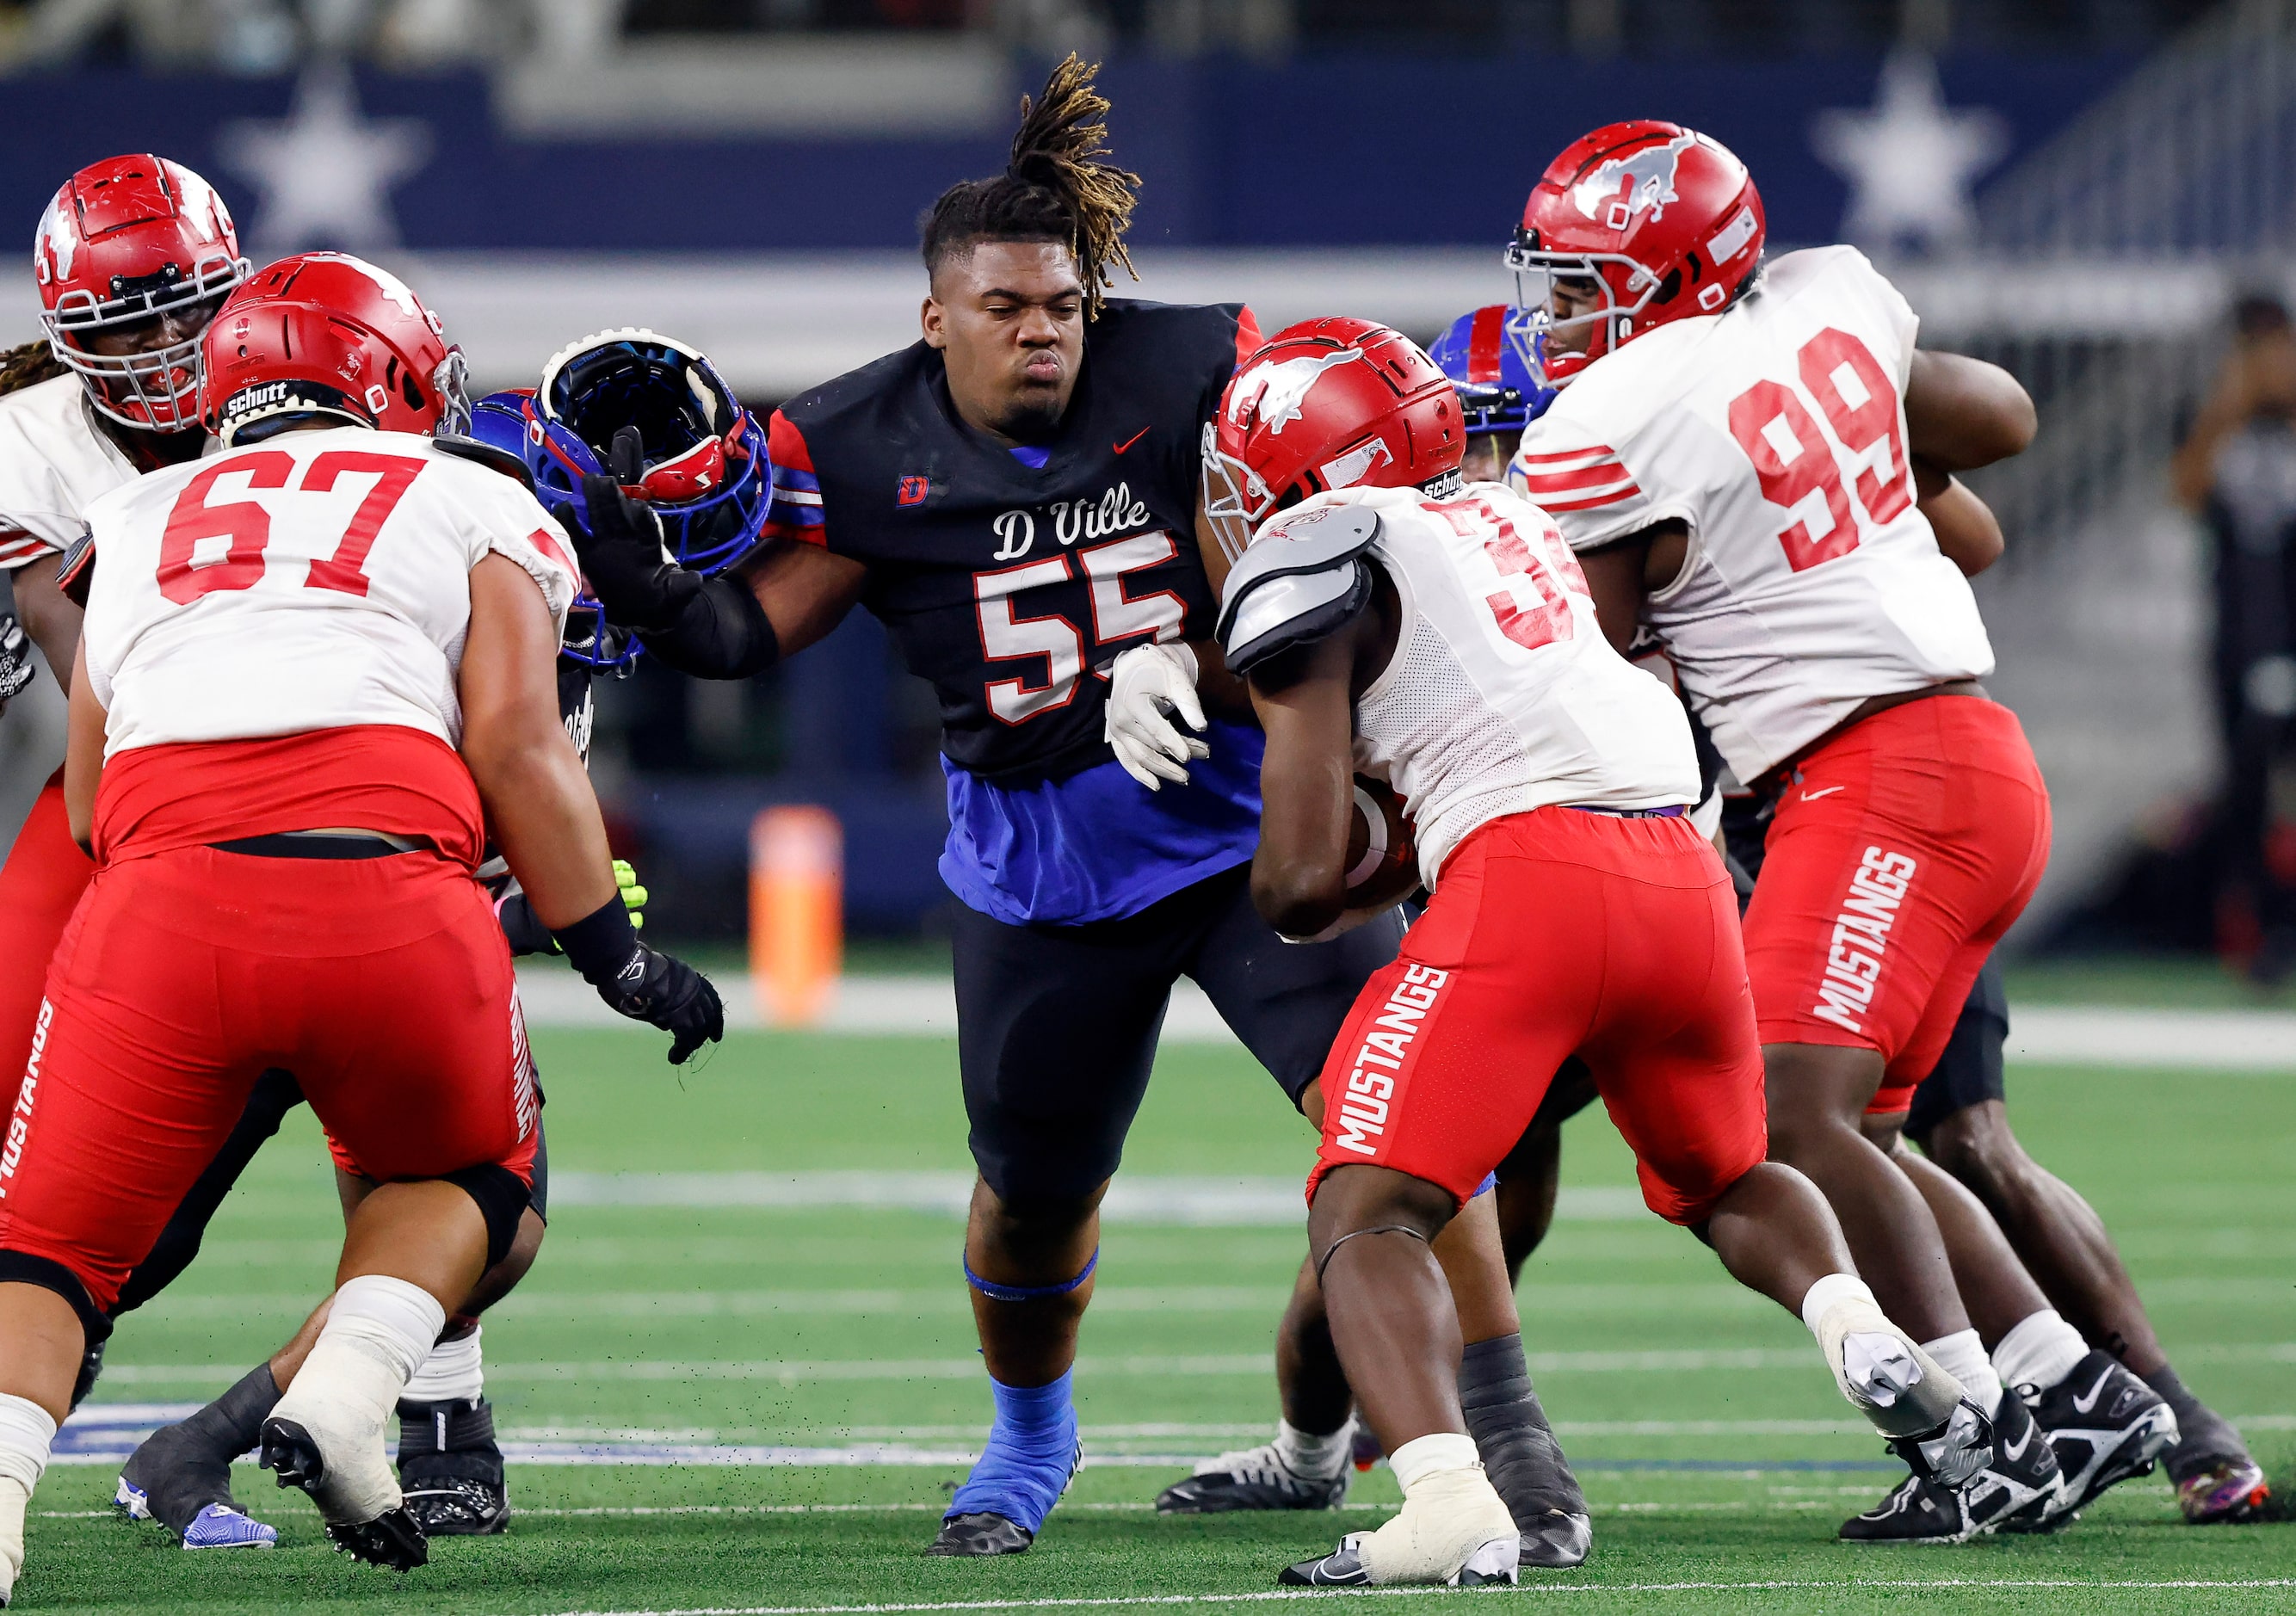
(135, 246)
(1658, 222)
(1327, 403)
(325, 333)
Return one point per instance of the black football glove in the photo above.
(664, 991)
(16, 665)
(620, 545)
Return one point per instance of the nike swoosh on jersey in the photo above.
(2086, 1403)
(1822, 791)
(1128, 442)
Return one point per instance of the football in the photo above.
(1383, 863)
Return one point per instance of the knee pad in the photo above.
(502, 1197)
(23, 1268)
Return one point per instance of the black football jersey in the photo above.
(1012, 587)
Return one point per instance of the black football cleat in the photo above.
(2023, 1472)
(450, 1468)
(1558, 1540)
(393, 1538)
(2104, 1425)
(1342, 1568)
(1251, 1478)
(981, 1534)
(171, 1477)
(1489, 1566)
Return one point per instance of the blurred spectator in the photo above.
(2236, 471)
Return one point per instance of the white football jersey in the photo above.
(54, 461)
(315, 581)
(1776, 431)
(1503, 695)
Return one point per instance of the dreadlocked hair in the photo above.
(1059, 186)
(26, 363)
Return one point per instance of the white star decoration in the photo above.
(326, 173)
(1909, 160)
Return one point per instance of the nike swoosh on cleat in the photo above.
(1128, 442)
(1826, 792)
(2086, 1403)
(2023, 1442)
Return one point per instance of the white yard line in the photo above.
(1263, 1597)
(1244, 1201)
(2085, 1034)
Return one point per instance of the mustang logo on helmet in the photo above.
(1276, 391)
(1623, 186)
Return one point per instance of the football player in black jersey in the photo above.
(1017, 497)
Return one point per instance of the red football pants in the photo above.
(1897, 855)
(1556, 933)
(383, 984)
(39, 887)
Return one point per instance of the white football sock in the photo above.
(1893, 1382)
(2040, 1351)
(1450, 1514)
(378, 1333)
(456, 1371)
(1963, 1356)
(1324, 1457)
(26, 1434)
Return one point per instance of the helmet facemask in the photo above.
(1622, 288)
(156, 388)
(1236, 498)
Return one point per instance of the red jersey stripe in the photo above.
(1609, 497)
(1563, 457)
(1582, 477)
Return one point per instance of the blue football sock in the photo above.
(1031, 1452)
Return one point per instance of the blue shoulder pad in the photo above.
(1301, 579)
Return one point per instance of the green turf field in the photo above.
(1719, 1461)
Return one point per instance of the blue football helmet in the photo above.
(509, 423)
(1493, 356)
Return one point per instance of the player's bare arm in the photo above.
(539, 805)
(1306, 702)
(83, 753)
(804, 590)
(1621, 576)
(47, 614)
(1298, 876)
(1967, 531)
(729, 627)
(1962, 412)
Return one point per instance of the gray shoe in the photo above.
(1558, 1541)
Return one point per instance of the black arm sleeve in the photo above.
(716, 631)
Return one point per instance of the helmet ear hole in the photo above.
(409, 391)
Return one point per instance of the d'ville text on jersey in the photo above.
(1115, 511)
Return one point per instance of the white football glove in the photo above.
(1144, 684)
